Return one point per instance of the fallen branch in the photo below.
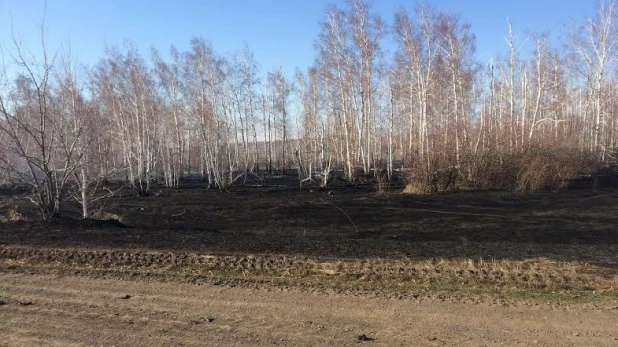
(345, 214)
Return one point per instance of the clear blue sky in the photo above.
(280, 32)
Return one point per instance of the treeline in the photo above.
(528, 120)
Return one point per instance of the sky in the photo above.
(280, 32)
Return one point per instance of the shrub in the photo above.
(382, 181)
(533, 169)
(12, 215)
(551, 168)
(491, 169)
(436, 173)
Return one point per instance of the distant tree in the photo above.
(169, 77)
(596, 47)
(280, 90)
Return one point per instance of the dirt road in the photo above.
(62, 311)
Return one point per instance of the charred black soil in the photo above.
(566, 240)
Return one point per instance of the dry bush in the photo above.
(108, 216)
(434, 174)
(382, 181)
(536, 168)
(12, 214)
(491, 169)
(551, 168)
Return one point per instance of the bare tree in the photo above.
(170, 79)
(427, 106)
(280, 90)
(596, 46)
(44, 130)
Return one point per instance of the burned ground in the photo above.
(565, 240)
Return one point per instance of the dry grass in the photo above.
(11, 214)
(535, 274)
(416, 188)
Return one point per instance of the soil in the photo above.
(70, 311)
(353, 221)
(281, 265)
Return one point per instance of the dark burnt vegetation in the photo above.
(275, 216)
(269, 229)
